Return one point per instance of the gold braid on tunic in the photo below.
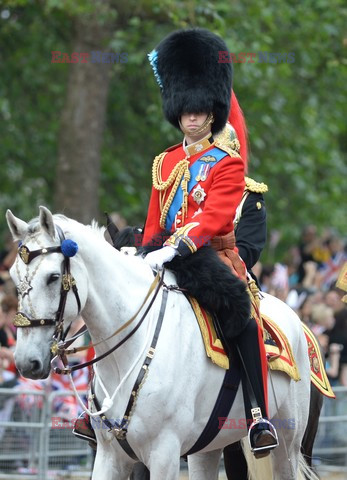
(179, 175)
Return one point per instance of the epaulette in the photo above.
(173, 147)
(228, 138)
(253, 186)
(159, 158)
(232, 149)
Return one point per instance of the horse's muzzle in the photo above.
(33, 369)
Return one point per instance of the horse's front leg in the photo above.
(204, 466)
(111, 464)
(164, 460)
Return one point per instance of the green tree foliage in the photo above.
(294, 111)
(32, 95)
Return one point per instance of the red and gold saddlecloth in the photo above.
(278, 349)
(318, 375)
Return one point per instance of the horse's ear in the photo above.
(46, 221)
(18, 228)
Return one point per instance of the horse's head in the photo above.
(47, 290)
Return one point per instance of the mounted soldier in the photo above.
(197, 187)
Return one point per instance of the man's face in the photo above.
(192, 121)
(333, 300)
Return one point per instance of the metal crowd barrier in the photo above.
(330, 448)
(34, 444)
(32, 447)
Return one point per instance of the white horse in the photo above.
(181, 384)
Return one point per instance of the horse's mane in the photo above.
(34, 226)
(63, 221)
(94, 228)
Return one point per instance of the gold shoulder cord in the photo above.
(179, 174)
(233, 149)
(253, 186)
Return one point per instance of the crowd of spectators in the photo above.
(306, 281)
(8, 309)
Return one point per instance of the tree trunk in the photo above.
(82, 125)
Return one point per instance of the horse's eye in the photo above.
(52, 278)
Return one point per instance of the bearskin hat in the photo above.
(190, 76)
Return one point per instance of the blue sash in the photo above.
(176, 204)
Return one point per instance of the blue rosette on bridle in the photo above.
(69, 248)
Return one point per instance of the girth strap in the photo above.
(120, 430)
(220, 410)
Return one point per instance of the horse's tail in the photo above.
(258, 469)
(261, 469)
(305, 471)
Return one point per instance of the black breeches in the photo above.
(247, 343)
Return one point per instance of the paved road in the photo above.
(184, 476)
(322, 476)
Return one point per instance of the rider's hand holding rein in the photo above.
(156, 259)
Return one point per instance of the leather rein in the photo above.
(61, 347)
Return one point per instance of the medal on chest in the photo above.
(199, 194)
(203, 173)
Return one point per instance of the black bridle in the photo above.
(21, 320)
(59, 344)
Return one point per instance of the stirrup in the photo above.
(262, 440)
(83, 429)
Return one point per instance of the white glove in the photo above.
(159, 257)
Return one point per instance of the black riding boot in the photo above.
(262, 434)
(83, 429)
(235, 462)
(140, 472)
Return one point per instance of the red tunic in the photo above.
(214, 215)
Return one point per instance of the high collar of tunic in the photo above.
(198, 146)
